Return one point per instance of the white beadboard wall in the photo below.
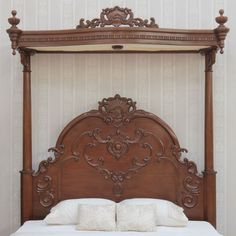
(171, 86)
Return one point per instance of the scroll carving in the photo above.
(44, 188)
(191, 182)
(221, 31)
(117, 144)
(118, 177)
(44, 184)
(116, 17)
(191, 166)
(43, 166)
(192, 187)
(99, 162)
(14, 32)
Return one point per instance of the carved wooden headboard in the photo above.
(118, 152)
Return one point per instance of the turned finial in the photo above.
(14, 21)
(221, 20)
(221, 31)
(14, 32)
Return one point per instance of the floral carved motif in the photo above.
(116, 17)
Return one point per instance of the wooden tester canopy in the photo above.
(118, 31)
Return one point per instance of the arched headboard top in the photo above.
(118, 152)
(118, 111)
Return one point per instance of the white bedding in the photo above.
(39, 228)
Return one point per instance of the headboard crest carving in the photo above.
(117, 110)
(116, 17)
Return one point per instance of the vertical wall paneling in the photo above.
(156, 84)
(43, 88)
(194, 78)
(67, 60)
(168, 68)
(54, 93)
(181, 101)
(65, 86)
(106, 75)
(143, 8)
(130, 74)
(117, 74)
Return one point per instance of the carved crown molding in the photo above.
(116, 17)
(167, 36)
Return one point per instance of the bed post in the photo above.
(26, 173)
(209, 172)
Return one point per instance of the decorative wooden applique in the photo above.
(116, 17)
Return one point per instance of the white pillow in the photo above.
(167, 213)
(136, 217)
(96, 217)
(66, 212)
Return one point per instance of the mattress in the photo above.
(40, 228)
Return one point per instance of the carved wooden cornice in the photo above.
(126, 30)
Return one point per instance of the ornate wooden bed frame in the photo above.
(117, 151)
